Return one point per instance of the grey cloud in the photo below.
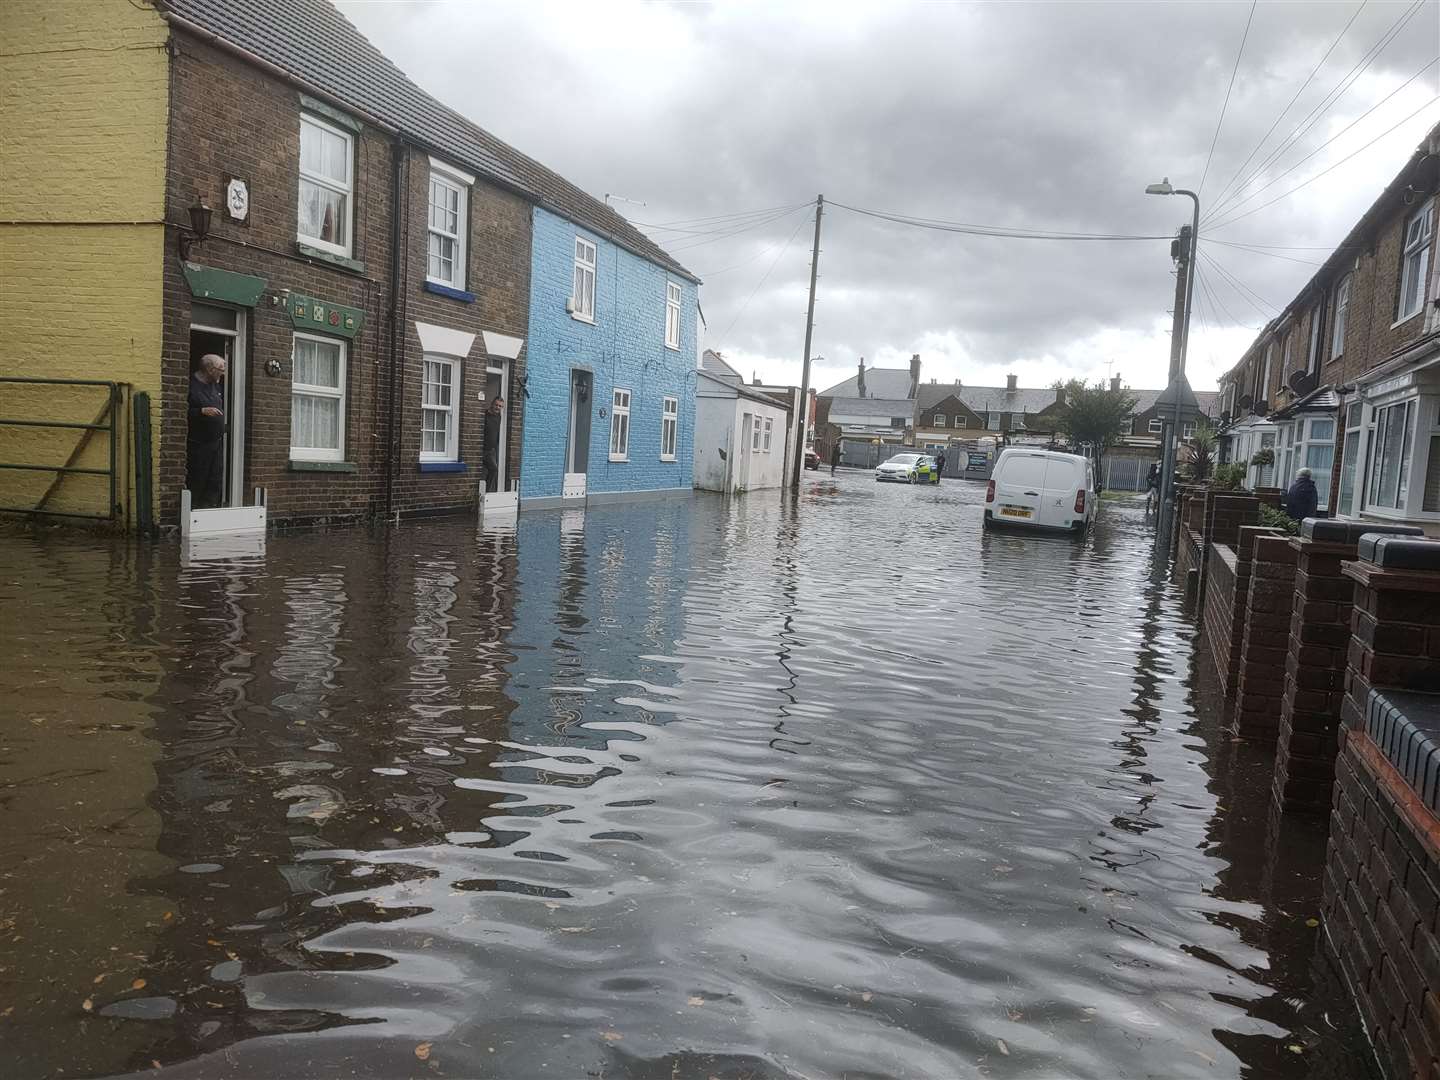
(1029, 115)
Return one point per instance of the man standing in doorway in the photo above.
(205, 440)
(494, 418)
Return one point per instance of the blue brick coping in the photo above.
(454, 294)
(1406, 728)
(443, 466)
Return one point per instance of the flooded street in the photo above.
(680, 789)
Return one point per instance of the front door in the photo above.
(221, 331)
(748, 431)
(577, 457)
(497, 384)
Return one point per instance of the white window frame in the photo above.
(669, 427)
(620, 431)
(1263, 394)
(1342, 311)
(992, 420)
(348, 191)
(755, 434)
(1409, 409)
(1187, 429)
(769, 426)
(672, 315)
(1415, 261)
(311, 453)
(582, 286)
(452, 437)
(1156, 425)
(459, 182)
(940, 420)
(1286, 352)
(1354, 425)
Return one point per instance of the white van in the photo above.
(1042, 489)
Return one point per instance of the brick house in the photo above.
(611, 388)
(359, 253)
(1346, 380)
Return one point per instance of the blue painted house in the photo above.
(610, 406)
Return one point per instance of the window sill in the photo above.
(1406, 318)
(342, 261)
(299, 465)
(620, 460)
(672, 348)
(440, 289)
(588, 320)
(670, 458)
(443, 466)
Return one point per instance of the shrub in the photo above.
(1229, 477)
(1278, 519)
(1263, 457)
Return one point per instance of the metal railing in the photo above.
(106, 420)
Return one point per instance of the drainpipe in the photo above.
(399, 206)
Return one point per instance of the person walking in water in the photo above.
(205, 438)
(1302, 500)
(494, 418)
(939, 466)
(1152, 486)
(834, 456)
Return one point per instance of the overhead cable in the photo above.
(1001, 231)
(1226, 103)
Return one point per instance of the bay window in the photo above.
(1394, 436)
(317, 399)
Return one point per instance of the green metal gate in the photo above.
(106, 420)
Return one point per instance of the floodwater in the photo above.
(691, 789)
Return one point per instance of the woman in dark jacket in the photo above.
(1302, 499)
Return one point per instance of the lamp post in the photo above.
(1177, 371)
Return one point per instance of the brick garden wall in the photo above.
(1264, 639)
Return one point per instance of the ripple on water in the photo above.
(696, 789)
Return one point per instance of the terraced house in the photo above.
(1346, 380)
(359, 254)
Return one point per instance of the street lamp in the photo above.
(1177, 367)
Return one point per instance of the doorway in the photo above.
(497, 384)
(221, 330)
(577, 455)
(748, 431)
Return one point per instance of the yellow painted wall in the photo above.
(84, 107)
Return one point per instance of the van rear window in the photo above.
(1025, 469)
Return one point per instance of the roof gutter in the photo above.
(226, 45)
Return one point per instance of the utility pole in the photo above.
(804, 417)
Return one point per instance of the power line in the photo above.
(1226, 103)
(726, 235)
(1315, 114)
(1215, 301)
(971, 229)
(1262, 306)
(764, 278)
(1261, 251)
(718, 217)
(1276, 122)
(1305, 183)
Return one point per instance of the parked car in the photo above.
(908, 469)
(812, 459)
(1041, 489)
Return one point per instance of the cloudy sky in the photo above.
(1030, 116)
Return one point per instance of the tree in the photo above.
(1200, 453)
(1094, 417)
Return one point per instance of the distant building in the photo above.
(740, 436)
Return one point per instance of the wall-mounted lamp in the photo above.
(199, 228)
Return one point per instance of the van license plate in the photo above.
(1015, 511)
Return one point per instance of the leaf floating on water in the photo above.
(423, 1051)
(1312, 923)
(138, 984)
(611, 1036)
(1295, 1048)
(694, 1000)
(1003, 1048)
(866, 996)
(99, 978)
(88, 1005)
(552, 905)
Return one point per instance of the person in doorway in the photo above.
(939, 466)
(1302, 500)
(494, 419)
(834, 456)
(205, 438)
(1152, 486)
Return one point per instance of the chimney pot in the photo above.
(1114, 383)
(1010, 381)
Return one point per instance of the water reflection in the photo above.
(834, 785)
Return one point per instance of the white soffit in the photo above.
(502, 344)
(443, 340)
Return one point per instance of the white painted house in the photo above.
(741, 435)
